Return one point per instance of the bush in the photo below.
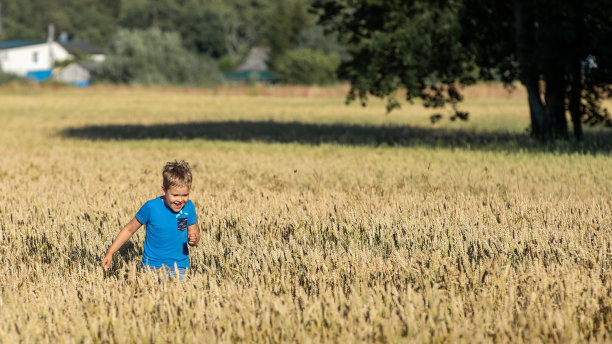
(227, 64)
(307, 67)
(9, 78)
(153, 57)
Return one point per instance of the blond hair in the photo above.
(177, 173)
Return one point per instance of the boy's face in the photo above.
(176, 197)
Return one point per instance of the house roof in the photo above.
(88, 65)
(70, 46)
(256, 61)
(20, 43)
(81, 46)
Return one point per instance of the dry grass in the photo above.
(426, 241)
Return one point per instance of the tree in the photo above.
(91, 20)
(559, 52)
(200, 28)
(307, 67)
(410, 44)
(154, 57)
(242, 22)
(287, 19)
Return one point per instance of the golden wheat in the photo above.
(306, 241)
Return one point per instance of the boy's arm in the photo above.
(193, 234)
(122, 237)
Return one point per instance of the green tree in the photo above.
(429, 48)
(154, 57)
(314, 37)
(559, 52)
(307, 67)
(91, 20)
(287, 19)
(201, 29)
(410, 44)
(242, 22)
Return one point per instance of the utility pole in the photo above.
(0, 19)
(50, 39)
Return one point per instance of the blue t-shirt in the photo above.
(166, 233)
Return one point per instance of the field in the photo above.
(320, 222)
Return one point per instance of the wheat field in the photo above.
(320, 222)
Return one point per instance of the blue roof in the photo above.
(20, 43)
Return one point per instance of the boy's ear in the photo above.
(163, 189)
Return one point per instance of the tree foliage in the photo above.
(410, 44)
(224, 30)
(307, 67)
(200, 28)
(154, 57)
(287, 19)
(559, 52)
(91, 20)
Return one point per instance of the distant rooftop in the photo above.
(81, 46)
(256, 61)
(71, 46)
(20, 43)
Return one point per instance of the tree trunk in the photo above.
(548, 119)
(555, 102)
(523, 22)
(575, 107)
(540, 121)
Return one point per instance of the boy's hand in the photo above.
(106, 262)
(193, 235)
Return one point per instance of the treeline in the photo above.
(185, 41)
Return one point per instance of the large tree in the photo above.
(91, 20)
(560, 52)
(200, 28)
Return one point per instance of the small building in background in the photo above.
(75, 73)
(254, 68)
(36, 59)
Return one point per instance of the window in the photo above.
(35, 57)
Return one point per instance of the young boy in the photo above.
(170, 221)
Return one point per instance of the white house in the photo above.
(36, 59)
(30, 57)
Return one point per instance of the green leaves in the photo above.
(154, 57)
(428, 48)
(306, 66)
(411, 45)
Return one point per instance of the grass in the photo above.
(319, 222)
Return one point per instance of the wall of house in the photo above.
(73, 73)
(98, 57)
(37, 57)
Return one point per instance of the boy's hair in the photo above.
(177, 173)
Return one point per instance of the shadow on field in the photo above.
(344, 134)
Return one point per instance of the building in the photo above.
(75, 48)
(76, 73)
(31, 58)
(35, 59)
(254, 68)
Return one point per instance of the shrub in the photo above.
(150, 57)
(307, 67)
(8, 78)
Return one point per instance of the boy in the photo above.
(170, 221)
